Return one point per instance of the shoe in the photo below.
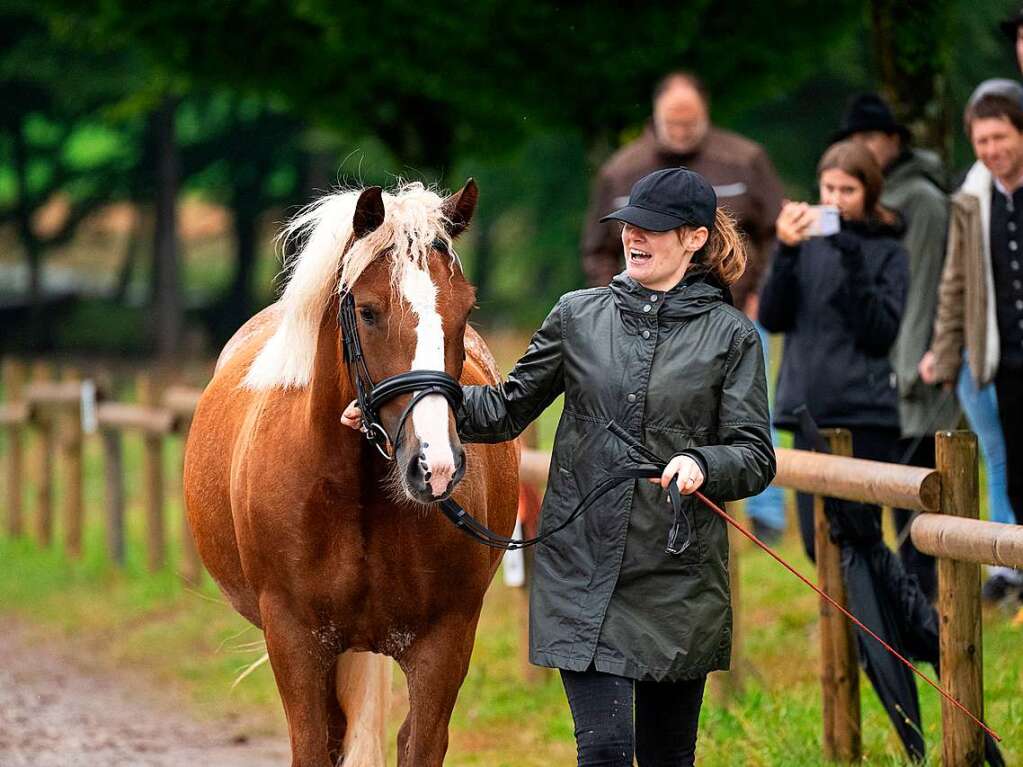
(768, 534)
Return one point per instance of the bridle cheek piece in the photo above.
(371, 397)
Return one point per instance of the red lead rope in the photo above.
(724, 515)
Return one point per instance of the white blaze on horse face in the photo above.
(430, 415)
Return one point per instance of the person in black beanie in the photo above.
(839, 302)
(914, 187)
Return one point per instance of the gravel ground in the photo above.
(58, 709)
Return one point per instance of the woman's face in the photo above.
(843, 191)
(658, 260)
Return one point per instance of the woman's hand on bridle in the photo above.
(352, 417)
(690, 477)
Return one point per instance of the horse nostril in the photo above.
(428, 475)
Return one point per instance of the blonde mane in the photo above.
(413, 220)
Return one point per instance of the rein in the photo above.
(423, 383)
(648, 465)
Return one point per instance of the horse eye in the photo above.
(440, 246)
(367, 315)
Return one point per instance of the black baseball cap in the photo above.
(667, 199)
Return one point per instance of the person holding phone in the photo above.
(839, 300)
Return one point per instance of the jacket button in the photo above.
(631, 398)
(646, 334)
(1012, 245)
(653, 297)
(646, 307)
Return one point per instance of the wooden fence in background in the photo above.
(62, 412)
(947, 528)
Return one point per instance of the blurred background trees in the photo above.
(148, 153)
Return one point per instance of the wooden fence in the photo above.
(62, 412)
(947, 528)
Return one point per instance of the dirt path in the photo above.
(59, 709)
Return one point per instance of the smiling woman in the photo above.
(635, 626)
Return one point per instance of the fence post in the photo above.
(153, 474)
(840, 676)
(14, 381)
(113, 468)
(959, 611)
(71, 460)
(43, 463)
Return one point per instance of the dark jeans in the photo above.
(862, 523)
(913, 560)
(666, 718)
(1009, 388)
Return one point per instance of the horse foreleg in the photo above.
(435, 666)
(303, 668)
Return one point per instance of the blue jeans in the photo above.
(981, 409)
(768, 508)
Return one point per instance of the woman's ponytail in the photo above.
(724, 255)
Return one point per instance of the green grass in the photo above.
(192, 642)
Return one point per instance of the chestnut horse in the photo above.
(333, 550)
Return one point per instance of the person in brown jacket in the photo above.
(680, 134)
(980, 304)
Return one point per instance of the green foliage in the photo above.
(278, 99)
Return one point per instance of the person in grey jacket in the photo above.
(914, 187)
(839, 301)
(634, 629)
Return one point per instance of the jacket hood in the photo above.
(978, 181)
(917, 162)
(696, 294)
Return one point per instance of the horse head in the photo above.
(410, 306)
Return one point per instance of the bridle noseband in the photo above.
(371, 397)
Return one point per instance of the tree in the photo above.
(54, 138)
(246, 154)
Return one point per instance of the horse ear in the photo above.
(369, 211)
(459, 207)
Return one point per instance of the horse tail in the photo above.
(363, 689)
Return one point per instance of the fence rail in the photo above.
(56, 410)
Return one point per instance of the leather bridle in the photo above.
(371, 397)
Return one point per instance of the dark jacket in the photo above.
(682, 371)
(743, 178)
(838, 300)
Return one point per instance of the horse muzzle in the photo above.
(431, 476)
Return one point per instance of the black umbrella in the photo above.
(890, 602)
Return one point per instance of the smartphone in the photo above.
(824, 221)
